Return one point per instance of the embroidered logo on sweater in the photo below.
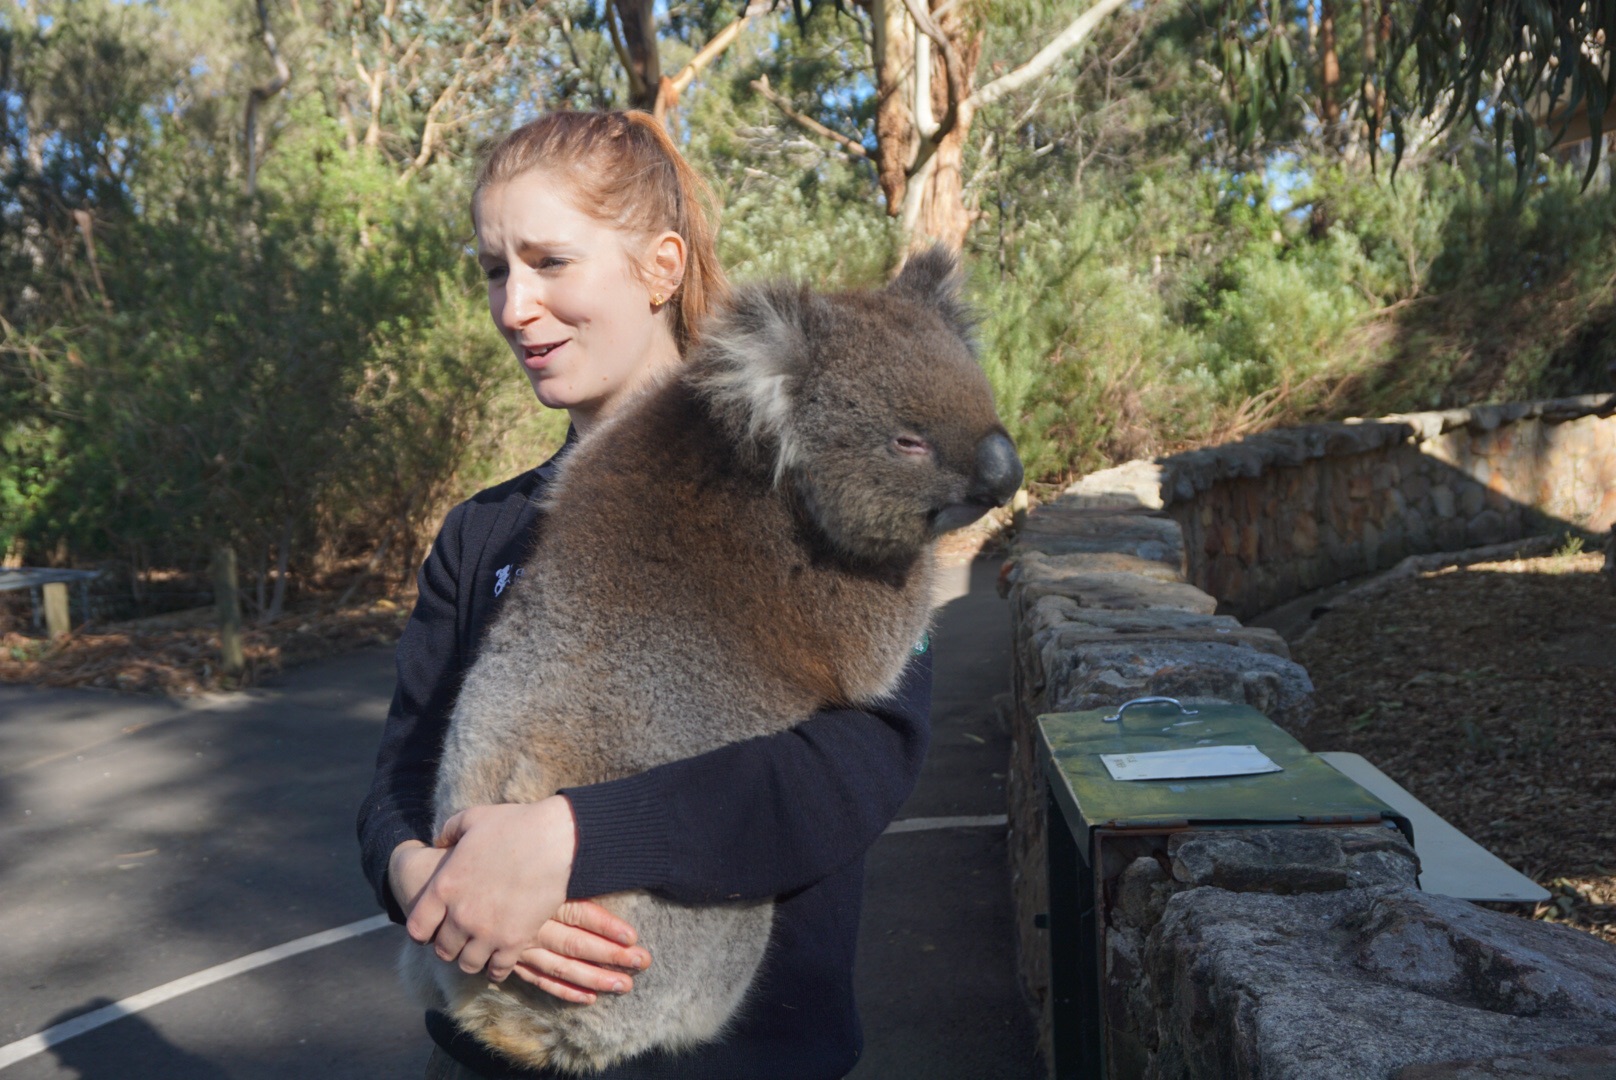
(502, 578)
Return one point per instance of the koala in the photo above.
(739, 547)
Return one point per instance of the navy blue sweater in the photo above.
(789, 816)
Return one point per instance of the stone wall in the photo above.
(1287, 957)
(1280, 514)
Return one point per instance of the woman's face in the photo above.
(562, 291)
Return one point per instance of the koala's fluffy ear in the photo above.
(932, 277)
(752, 359)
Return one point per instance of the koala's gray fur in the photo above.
(736, 549)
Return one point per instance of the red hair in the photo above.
(625, 170)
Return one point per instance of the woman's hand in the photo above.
(502, 878)
(583, 951)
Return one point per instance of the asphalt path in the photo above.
(143, 842)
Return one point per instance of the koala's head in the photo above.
(869, 406)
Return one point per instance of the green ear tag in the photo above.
(922, 644)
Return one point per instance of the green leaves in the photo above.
(1256, 83)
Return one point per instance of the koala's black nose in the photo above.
(998, 469)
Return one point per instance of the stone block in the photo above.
(1096, 676)
(1295, 860)
(1472, 498)
(1443, 501)
(1062, 624)
(1450, 535)
(1141, 894)
(1571, 408)
(1357, 983)
(1369, 541)
(1304, 536)
(1416, 531)
(1064, 530)
(1034, 580)
(1339, 440)
(1485, 528)
(1566, 1063)
(1250, 543)
(1135, 485)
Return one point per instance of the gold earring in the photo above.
(656, 299)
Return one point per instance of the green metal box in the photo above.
(1097, 825)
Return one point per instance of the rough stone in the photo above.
(1485, 528)
(1566, 1063)
(1253, 984)
(1135, 485)
(1117, 591)
(1142, 893)
(1058, 530)
(1060, 622)
(1097, 676)
(1443, 502)
(1289, 861)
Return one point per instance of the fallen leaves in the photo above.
(178, 654)
(1489, 692)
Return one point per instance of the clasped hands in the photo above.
(491, 896)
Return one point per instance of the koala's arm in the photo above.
(759, 818)
(399, 804)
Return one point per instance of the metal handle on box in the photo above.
(1126, 705)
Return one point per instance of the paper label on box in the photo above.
(1201, 761)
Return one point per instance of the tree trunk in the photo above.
(1329, 72)
(227, 601)
(640, 58)
(1371, 99)
(260, 94)
(283, 558)
(895, 137)
(935, 210)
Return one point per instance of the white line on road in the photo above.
(12, 1053)
(923, 824)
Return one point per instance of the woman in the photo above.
(600, 265)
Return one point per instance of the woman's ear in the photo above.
(667, 269)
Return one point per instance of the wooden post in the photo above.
(57, 620)
(227, 601)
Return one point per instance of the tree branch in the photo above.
(853, 147)
(1074, 35)
(86, 225)
(668, 93)
(260, 94)
(430, 128)
(957, 90)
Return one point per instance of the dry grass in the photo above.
(1490, 693)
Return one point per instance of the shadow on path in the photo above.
(128, 1047)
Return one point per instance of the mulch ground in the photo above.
(178, 654)
(1489, 692)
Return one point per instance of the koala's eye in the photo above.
(911, 446)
